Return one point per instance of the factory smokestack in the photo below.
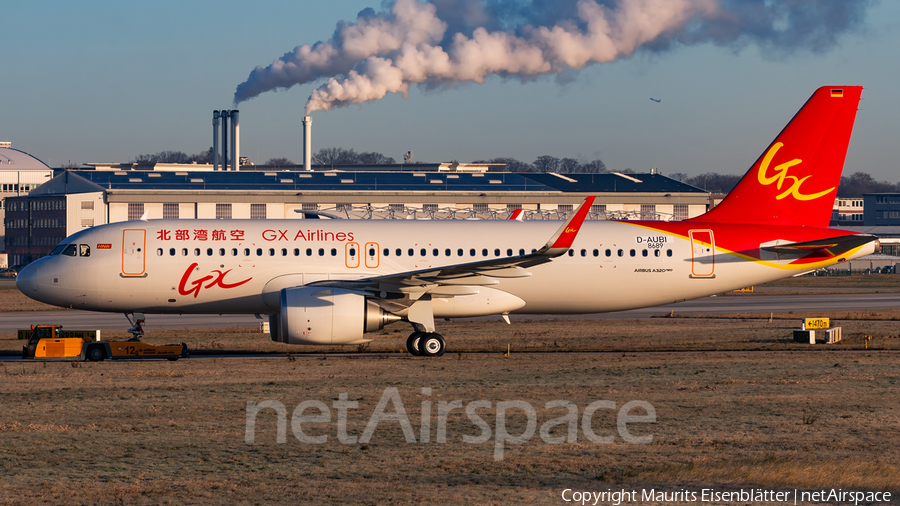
(307, 143)
(215, 123)
(224, 117)
(235, 142)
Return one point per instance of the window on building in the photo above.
(223, 211)
(309, 207)
(86, 204)
(135, 210)
(681, 212)
(648, 211)
(257, 211)
(170, 211)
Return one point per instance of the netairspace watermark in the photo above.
(317, 412)
(711, 495)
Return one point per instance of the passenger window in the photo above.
(459, 252)
(423, 252)
(435, 252)
(171, 252)
(296, 252)
(69, 251)
(209, 252)
(668, 252)
(621, 252)
(609, 252)
(159, 252)
(387, 252)
(353, 252)
(644, 252)
(399, 252)
(496, 252)
(371, 252)
(534, 250)
(284, 252)
(221, 252)
(656, 252)
(521, 251)
(509, 252)
(571, 252)
(271, 252)
(584, 252)
(184, 252)
(633, 252)
(259, 252)
(596, 252)
(84, 250)
(447, 252)
(411, 252)
(196, 252)
(246, 252)
(321, 252)
(309, 252)
(472, 252)
(333, 252)
(484, 252)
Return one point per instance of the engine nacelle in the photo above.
(323, 315)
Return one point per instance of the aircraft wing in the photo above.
(480, 273)
(831, 246)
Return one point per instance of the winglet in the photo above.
(564, 237)
(518, 215)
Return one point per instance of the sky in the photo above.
(105, 81)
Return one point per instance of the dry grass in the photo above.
(157, 432)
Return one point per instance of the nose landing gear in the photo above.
(137, 326)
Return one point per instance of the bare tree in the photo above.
(373, 158)
(279, 162)
(569, 165)
(594, 167)
(512, 165)
(546, 163)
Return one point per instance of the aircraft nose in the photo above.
(27, 280)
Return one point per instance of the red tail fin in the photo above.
(795, 180)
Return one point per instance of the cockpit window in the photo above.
(70, 250)
(84, 250)
(58, 249)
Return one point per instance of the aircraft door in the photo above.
(703, 250)
(134, 243)
(351, 255)
(372, 258)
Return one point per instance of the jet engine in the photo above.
(324, 315)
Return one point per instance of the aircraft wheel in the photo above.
(412, 343)
(432, 345)
(96, 353)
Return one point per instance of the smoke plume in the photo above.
(442, 42)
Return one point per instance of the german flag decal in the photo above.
(837, 93)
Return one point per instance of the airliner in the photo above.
(330, 282)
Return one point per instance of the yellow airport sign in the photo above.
(816, 323)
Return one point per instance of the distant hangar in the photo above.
(77, 199)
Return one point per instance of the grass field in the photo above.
(737, 405)
(781, 417)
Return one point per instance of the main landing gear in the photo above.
(425, 344)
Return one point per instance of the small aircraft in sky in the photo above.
(657, 100)
(332, 281)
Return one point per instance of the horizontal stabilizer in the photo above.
(832, 246)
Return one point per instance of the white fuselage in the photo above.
(240, 266)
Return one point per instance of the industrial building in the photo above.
(19, 174)
(78, 199)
